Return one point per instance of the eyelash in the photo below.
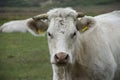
(50, 35)
(73, 35)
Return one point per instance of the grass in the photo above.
(24, 57)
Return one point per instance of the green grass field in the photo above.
(24, 57)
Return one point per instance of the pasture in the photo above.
(24, 57)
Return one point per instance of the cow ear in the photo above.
(37, 27)
(85, 23)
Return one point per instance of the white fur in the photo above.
(15, 26)
(94, 54)
(91, 54)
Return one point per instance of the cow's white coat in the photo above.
(15, 26)
(93, 54)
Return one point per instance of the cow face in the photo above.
(62, 32)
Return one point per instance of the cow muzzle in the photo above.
(61, 58)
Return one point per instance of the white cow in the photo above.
(88, 49)
(15, 26)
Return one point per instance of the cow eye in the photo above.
(50, 35)
(73, 35)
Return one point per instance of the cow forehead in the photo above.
(62, 20)
(62, 12)
(62, 25)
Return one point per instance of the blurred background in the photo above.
(20, 9)
(25, 57)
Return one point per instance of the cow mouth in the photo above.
(61, 63)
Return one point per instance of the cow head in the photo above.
(62, 30)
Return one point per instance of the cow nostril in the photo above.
(61, 58)
(66, 56)
(56, 57)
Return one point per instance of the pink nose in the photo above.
(61, 58)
